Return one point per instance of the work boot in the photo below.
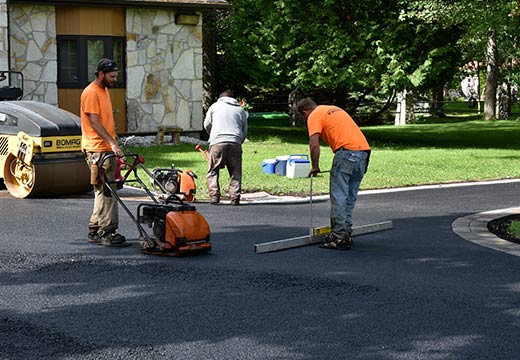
(348, 240)
(214, 200)
(235, 202)
(332, 242)
(93, 237)
(112, 239)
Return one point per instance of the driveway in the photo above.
(418, 291)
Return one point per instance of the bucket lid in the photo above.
(302, 161)
(299, 156)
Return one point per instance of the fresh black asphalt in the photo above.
(418, 291)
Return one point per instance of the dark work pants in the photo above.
(228, 155)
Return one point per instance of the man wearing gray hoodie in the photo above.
(226, 124)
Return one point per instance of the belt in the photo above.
(343, 149)
(97, 152)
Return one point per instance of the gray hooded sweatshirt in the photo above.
(226, 121)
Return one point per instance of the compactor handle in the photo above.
(123, 162)
(124, 144)
(131, 167)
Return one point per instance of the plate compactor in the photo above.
(176, 226)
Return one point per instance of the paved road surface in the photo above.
(418, 291)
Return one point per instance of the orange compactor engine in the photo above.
(40, 150)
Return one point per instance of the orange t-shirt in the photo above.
(96, 100)
(336, 128)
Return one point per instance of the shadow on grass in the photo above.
(452, 133)
(469, 134)
(183, 156)
(437, 132)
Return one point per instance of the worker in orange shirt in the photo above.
(351, 154)
(99, 139)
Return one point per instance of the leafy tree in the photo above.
(355, 49)
(346, 47)
(488, 36)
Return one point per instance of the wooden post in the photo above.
(174, 131)
(400, 115)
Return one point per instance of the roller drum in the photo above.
(47, 177)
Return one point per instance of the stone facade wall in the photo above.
(164, 63)
(4, 40)
(164, 72)
(33, 50)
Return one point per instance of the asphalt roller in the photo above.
(40, 150)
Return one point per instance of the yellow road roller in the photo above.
(40, 150)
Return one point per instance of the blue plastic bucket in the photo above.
(268, 166)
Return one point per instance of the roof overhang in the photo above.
(193, 4)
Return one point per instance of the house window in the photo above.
(78, 56)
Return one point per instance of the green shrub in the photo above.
(514, 229)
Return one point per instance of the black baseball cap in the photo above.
(106, 66)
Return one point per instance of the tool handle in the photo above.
(204, 152)
(310, 207)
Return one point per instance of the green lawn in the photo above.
(440, 151)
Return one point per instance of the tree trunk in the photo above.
(208, 59)
(341, 97)
(295, 118)
(410, 100)
(438, 99)
(491, 78)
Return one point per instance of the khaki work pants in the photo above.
(105, 217)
